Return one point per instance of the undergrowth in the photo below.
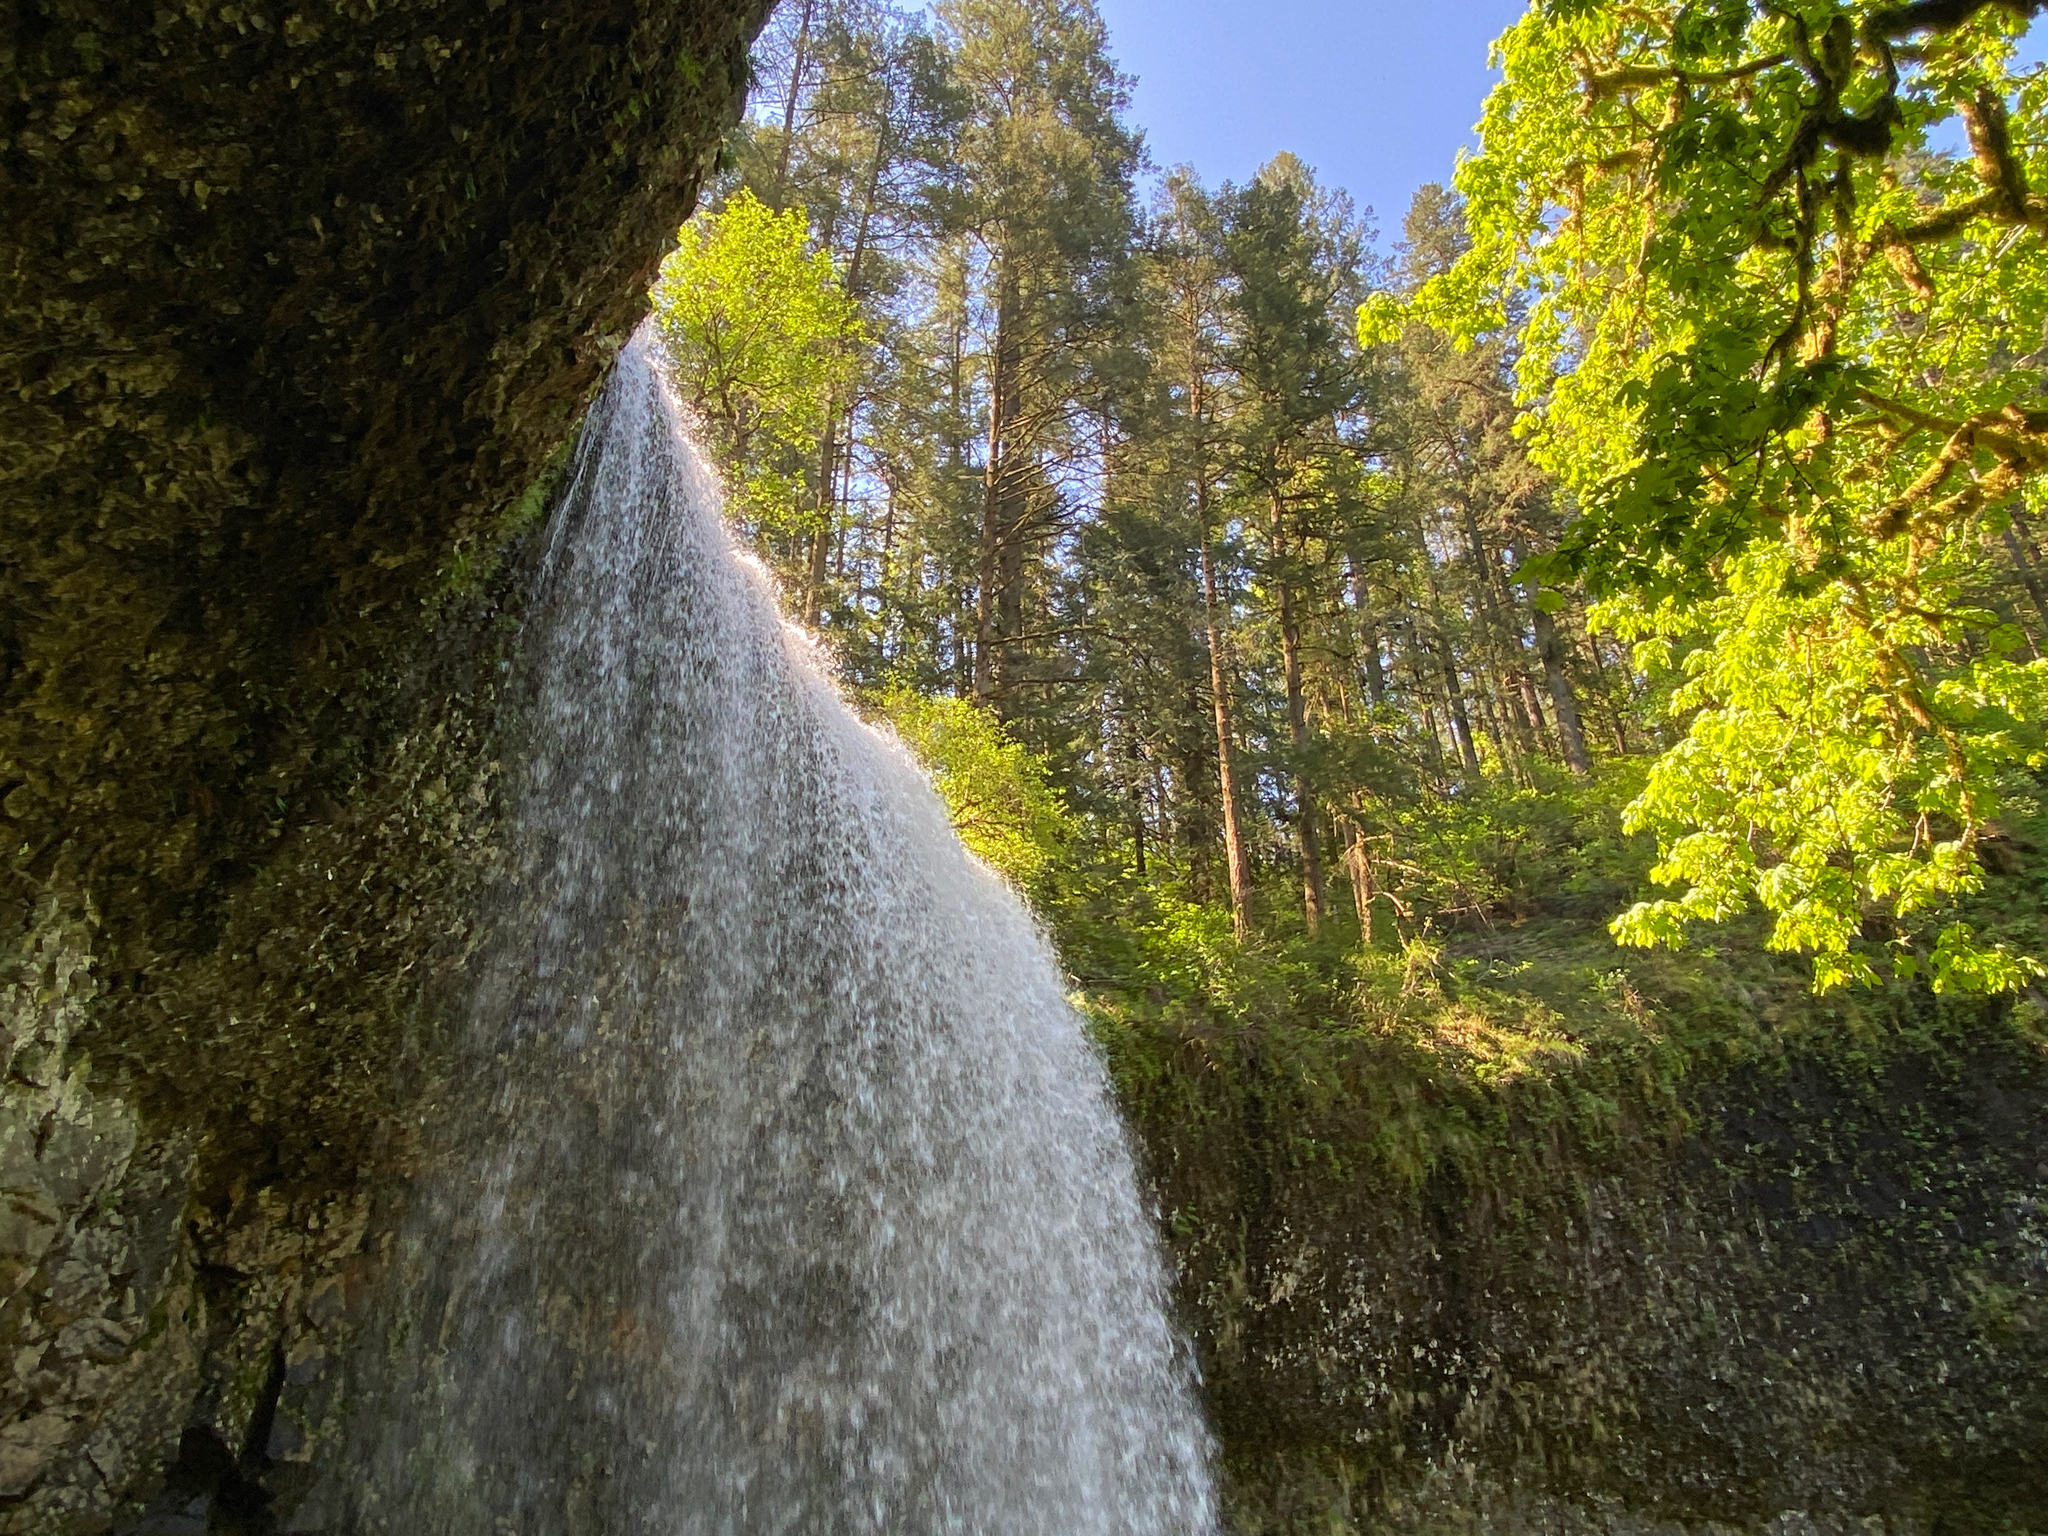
(1495, 1019)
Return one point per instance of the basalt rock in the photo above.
(1799, 1293)
(297, 301)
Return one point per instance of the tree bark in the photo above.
(821, 534)
(2030, 578)
(1461, 722)
(1236, 862)
(1001, 566)
(1239, 867)
(1358, 864)
(828, 469)
(1564, 704)
(867, 207)
(1412, 649)
(888, 555)
(1368, 639)
(1307, 824)
(1502, 615)
(796, 81)
(1615, 717)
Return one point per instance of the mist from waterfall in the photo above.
(789, 1196)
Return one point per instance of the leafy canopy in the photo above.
(997, 794)
(1788, 361)
(761, 335)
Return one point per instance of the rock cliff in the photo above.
(1705, 1255)
(296, 302)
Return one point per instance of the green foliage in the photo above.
(761, 336)
(1284, 604)
(1387, 1064)
(1284, 352)
(1505, 852)
(1790, 786)
(996, 792)
(1786, 359)
(1248, 591)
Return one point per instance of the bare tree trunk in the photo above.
(1196, 823)
(1411, 651)
(882, 573)
(1616, 719)
(1515, 639)
(1532, 703)
(1307, 823)
(1564, 704)
(2030, 578)
(1502, 737)
(1236, 861)
(998, 494)
(1368, 639)
(1513, 649)
(1358, 864)
(828, 502)
(1239, 866)
(867, 208)
(1502, 620)
(796, 82)
(1447, 668)
(963, 662)
(1461, 722)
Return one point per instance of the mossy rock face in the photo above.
(1795, 1283)
(294, 302)
(297, 304)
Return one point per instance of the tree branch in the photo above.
(1633, 77)
(1893, 22)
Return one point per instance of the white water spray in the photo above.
(795, 1200)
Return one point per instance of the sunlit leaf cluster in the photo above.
(760, 334)
(1786, 354)
(997, 794)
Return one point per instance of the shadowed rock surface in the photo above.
(1634, 1288)
(296, 302)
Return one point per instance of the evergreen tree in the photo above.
(1268, 551)
(1047, 165)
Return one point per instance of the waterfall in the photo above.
(790, 1196)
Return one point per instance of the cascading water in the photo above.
(794, 1200)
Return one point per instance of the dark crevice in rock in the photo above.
(205, 1489)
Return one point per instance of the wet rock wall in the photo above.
(298, 301)
(1802, 1292)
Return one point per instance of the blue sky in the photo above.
(1377, 95)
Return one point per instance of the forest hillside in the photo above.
(1492, 705)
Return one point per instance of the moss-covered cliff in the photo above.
(296, 302)
(1531, 1241)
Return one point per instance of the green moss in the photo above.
(1659, 1234)
(475, 562)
